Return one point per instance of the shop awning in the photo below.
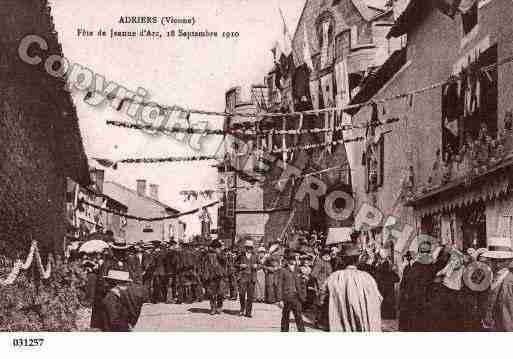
(490, 185)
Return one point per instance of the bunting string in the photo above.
(247, 132)
(147, 219)
(280, 150)
(345, 108)
(168, 159)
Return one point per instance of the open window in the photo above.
(469, 103)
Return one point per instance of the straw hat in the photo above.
(475, 253)
(249, 243)
(118, 276)
(274, 248)
(261, 250)
(499, 248)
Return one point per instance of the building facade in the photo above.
(445, 161)
(143, 204)
(83, 218)
(335, 44)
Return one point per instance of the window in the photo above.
(469, 105)
(342, 44)
(316, 61)
(374, 160)
(364, 34)
(431, 225)
(473, 226)
(469, 18)
(326, 38)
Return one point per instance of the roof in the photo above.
(149, 199)
(493, 183)
(378, 78)
(368, 9)
(414, 12)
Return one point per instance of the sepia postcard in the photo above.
(255, 166)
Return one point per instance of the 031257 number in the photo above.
(27, 342)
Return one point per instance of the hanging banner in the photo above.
(329, 101)
(343, 96)
(314, 93)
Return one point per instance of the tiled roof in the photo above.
(377, 78)
(414, 12)
(149, 199)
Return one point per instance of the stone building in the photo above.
(445, 164)
(40, 140)
(335, 44)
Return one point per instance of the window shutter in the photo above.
(381, 151)
(366, 170)
(354, 35)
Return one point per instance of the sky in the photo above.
(191, 73)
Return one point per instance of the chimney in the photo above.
(141, 187)
(154, 191)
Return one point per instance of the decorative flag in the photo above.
(106, 163)
(287, 38)
(307, 56)
(284, 142)
(324, 50)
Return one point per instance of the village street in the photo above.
(196, 317)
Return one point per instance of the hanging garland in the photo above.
(246, 132)
(169, 159)
(20, 265)
(190, 130)
(410, 94)
(316, 145)
(206, 194)
(147, 219)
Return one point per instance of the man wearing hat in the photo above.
(122, 303)
(322, 269)
(417, 288)
(171, 264)
(292, 291)
(212, 275)
(352, 296)
(247, 265)
(231, 273)
(118, 260)
(159, 274)
(499, 306)
(186, 273)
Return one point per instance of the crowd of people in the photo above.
(340, 287)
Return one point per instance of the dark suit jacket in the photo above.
(159, 263)
(137, 268)
(291, 285)
(246, 268)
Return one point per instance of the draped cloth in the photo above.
(354, 301)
